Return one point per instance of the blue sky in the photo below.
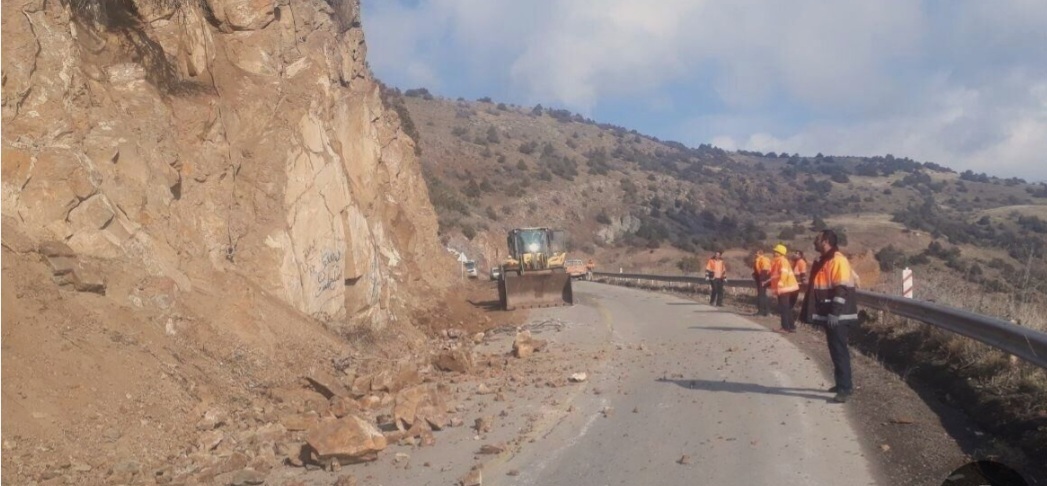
(959, 82)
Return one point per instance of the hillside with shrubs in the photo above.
(494, 166)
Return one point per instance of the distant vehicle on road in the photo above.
(470, 269)
(496, 273)
(575, 268)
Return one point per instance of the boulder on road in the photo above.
(420, 404)
(326, 385)
(457, 360)
(345, 440)
(341, 406)
(300, 421)
(524, 345)
(473, 478)
(387, 380)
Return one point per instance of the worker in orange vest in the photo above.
(784, 287)
(800, 270)
(589, 267)
(831, 301)
(761, 273)
(800, 267)
(716, 274)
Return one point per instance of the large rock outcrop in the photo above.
(201, 201)
(187, 138)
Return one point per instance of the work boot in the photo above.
(841, 397)
(834, 389)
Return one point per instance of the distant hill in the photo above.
(635, 201)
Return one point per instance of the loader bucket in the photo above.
(535, 289)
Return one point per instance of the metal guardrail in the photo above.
(1025, 343)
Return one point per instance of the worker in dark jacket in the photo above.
(831, 302)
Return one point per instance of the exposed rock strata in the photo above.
(222, 136)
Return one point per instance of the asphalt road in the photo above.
(689, 395)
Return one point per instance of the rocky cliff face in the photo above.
(203, 201)
(183, 139)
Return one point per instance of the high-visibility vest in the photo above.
(833, 290)
(761, 265)
(800, 268)
(716, 267)
(783, 280)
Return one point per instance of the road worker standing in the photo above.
(830, 301)
(784, 287)
(716, 274)
(800, 270)
(761, 273)
(800, 267)
(589, 267)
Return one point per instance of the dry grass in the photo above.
(1022, 209)
(947, 289)
(1005, 393)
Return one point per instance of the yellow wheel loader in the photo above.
(533, 275)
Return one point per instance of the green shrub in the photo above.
(689, 264)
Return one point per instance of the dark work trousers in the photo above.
(716, 294)
(792, 298)
(841, 356)
(785, 310)
(763, 304)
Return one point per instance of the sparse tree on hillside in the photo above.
(418, 93)
(472, 189)
(841, 234)
(528, 148)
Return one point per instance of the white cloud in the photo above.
(960, 83)
(961, 128)
(589, 49)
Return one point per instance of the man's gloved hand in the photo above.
(834, 321)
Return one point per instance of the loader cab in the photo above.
(527, 241)
(533, 247)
